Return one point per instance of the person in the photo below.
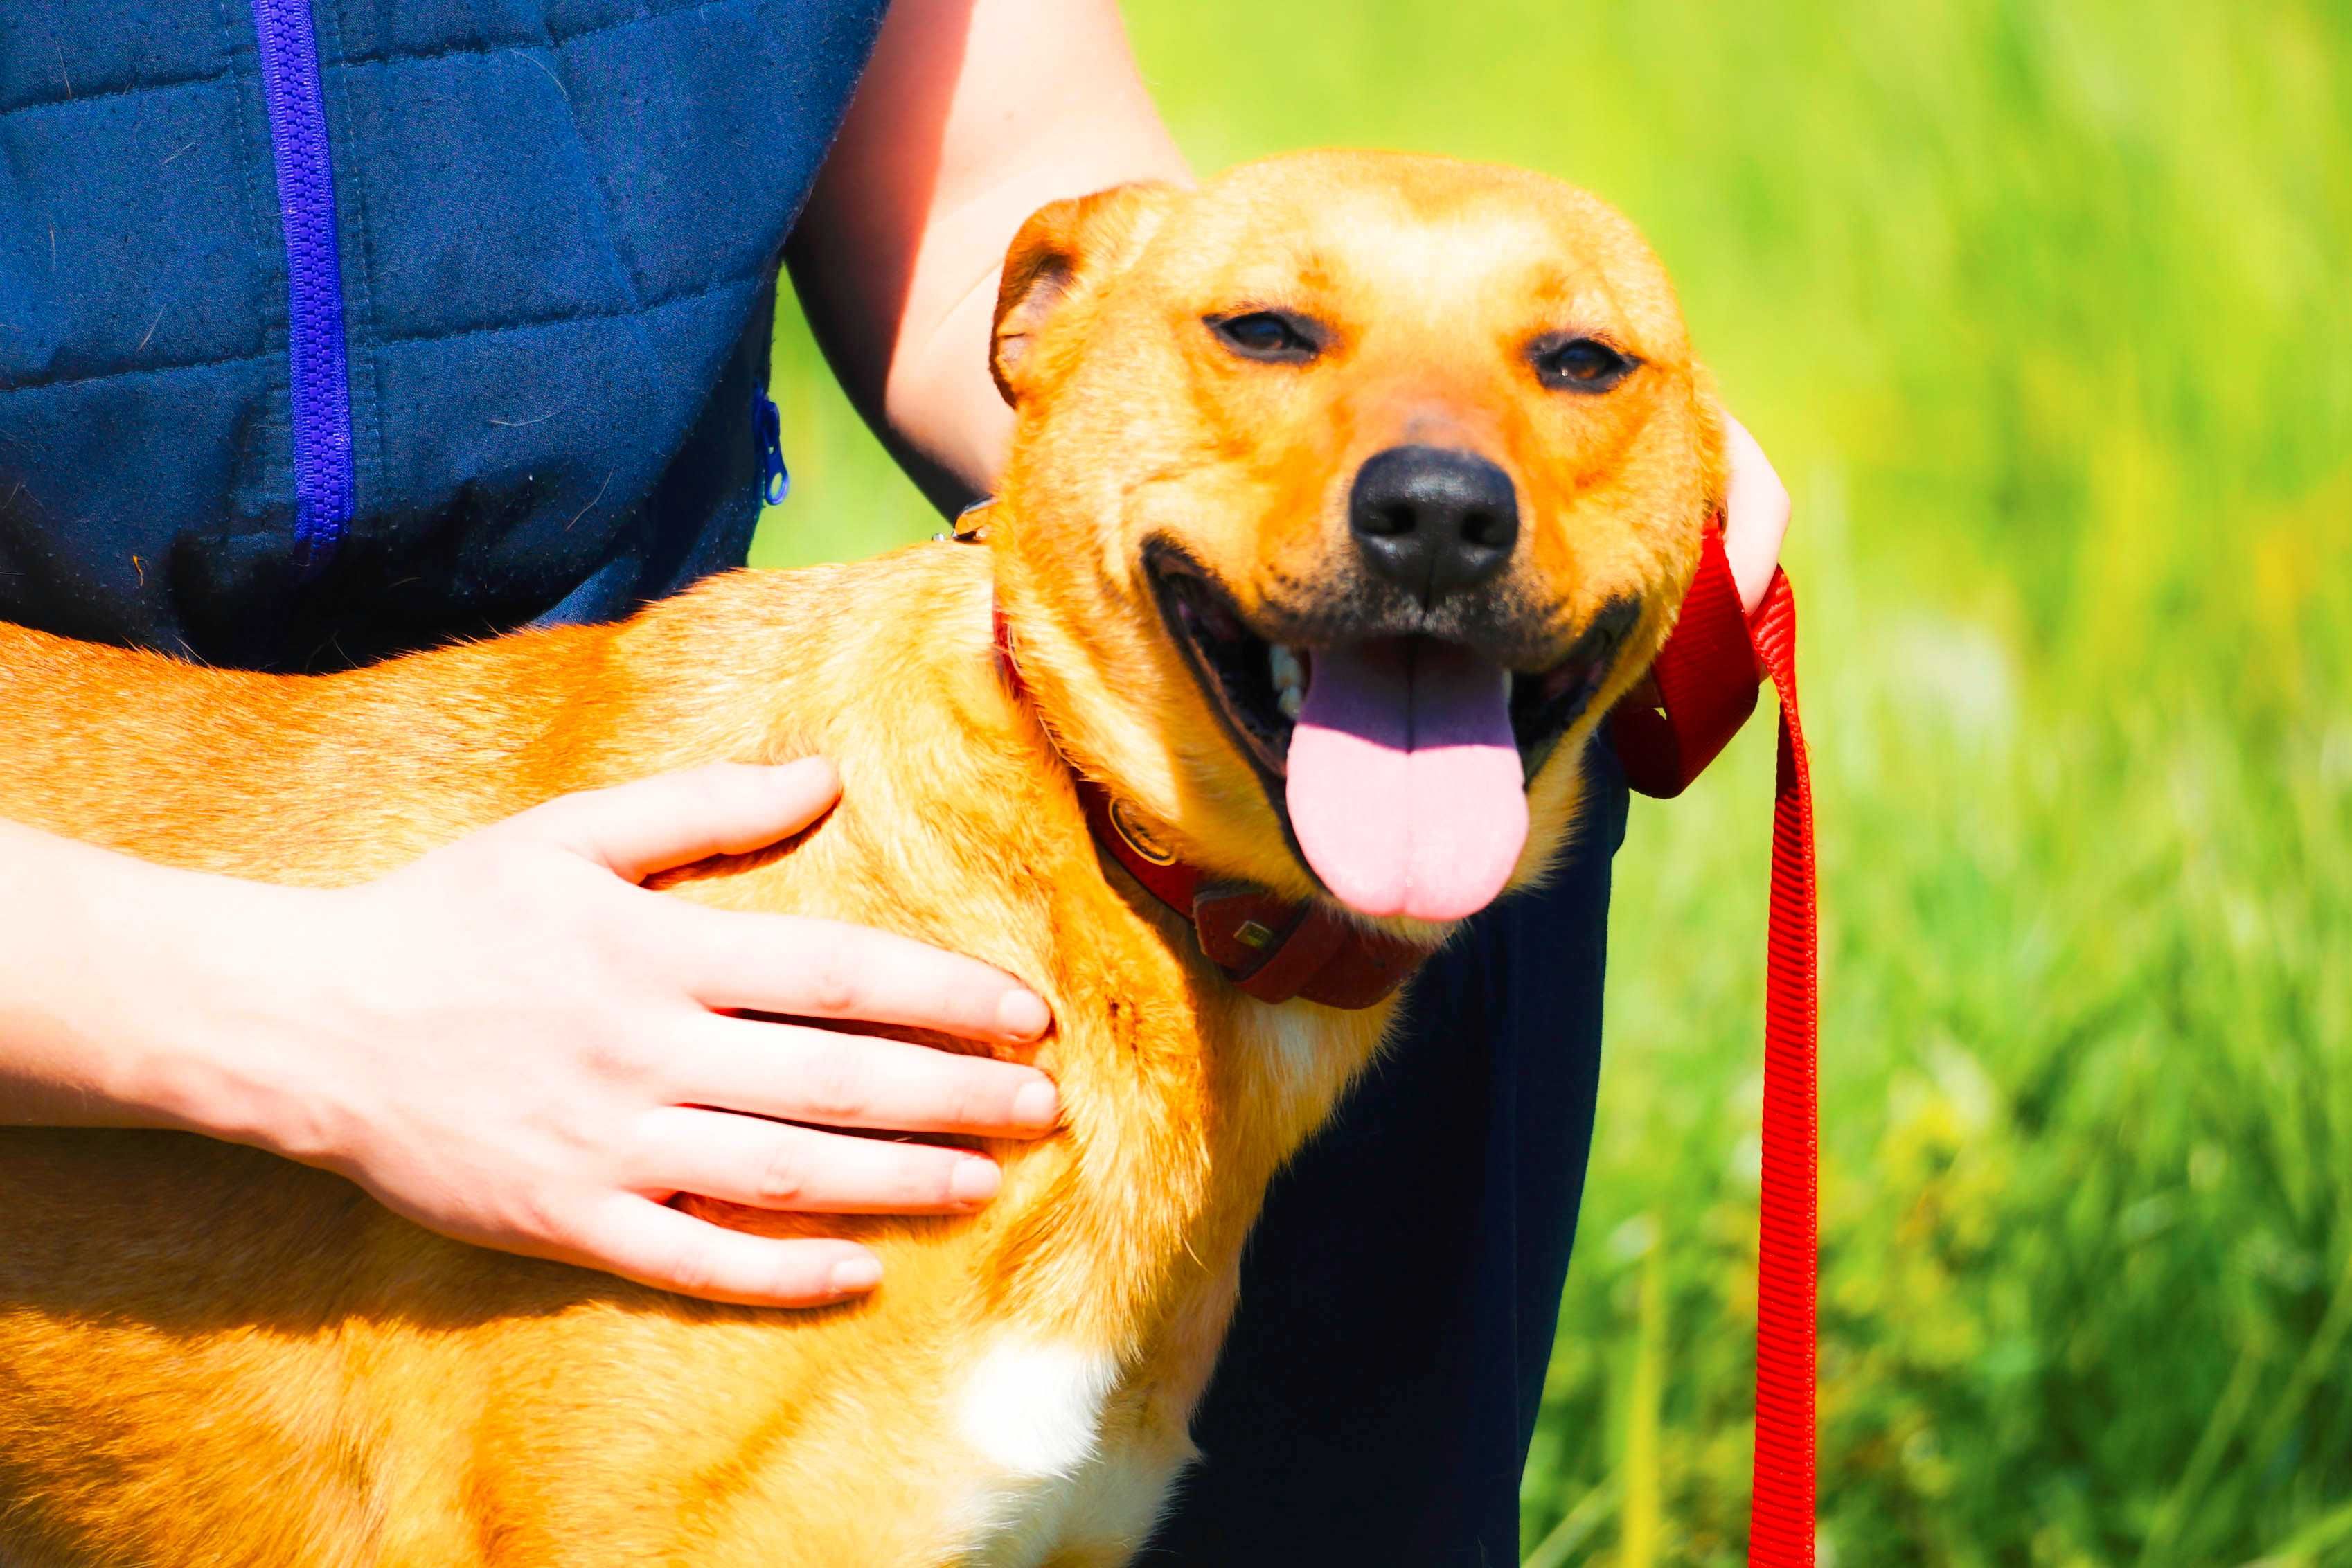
(329, 333)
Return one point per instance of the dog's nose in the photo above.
(1433, 519)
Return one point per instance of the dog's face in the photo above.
(1350, 491)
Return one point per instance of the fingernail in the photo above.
(974, 1180)
(1037, 1104)
(1021, 1015)
(855, 1275)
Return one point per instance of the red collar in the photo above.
(1270, 947)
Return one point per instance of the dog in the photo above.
(1349, 491)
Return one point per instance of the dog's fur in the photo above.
(208, 1355)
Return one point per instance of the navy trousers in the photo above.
(1379, 1387)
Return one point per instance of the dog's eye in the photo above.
(1269, 335)
(1580, 364)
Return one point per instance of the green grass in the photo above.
(2046, 313)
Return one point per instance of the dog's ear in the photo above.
(1063, 253)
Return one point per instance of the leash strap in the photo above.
(1706, 678)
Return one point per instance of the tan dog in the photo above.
(1348, 494)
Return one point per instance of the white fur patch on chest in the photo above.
(1037, 1409)
(1297, 1044)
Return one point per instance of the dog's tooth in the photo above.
(1283, 664)
(1292, 702)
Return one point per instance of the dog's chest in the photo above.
(1060, 1468)
(1068, 1461)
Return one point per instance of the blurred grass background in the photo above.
(2044, 310)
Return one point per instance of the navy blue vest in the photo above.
(334, 330)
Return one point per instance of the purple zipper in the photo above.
(314, 284)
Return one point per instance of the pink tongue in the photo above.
(1405, 789)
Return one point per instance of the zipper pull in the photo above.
(775, 483)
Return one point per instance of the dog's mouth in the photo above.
(1397, 765)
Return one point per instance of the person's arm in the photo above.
(510, 1043)
(972, 115)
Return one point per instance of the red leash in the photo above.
(1706, 678)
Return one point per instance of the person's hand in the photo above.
(510, 1043)
(1756, 507)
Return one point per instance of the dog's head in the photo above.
(1349, 492)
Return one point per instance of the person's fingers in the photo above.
(654, 1245)
(834, 1079)
(775, 1165)
(1756, 507)
(829, 969)
(674, 819)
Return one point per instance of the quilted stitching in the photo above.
(446, 335)
(25, 388)
(137, 357)
(101, 269)
(56, 51)
(89, 100)
(551, 39)
(556, 220)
